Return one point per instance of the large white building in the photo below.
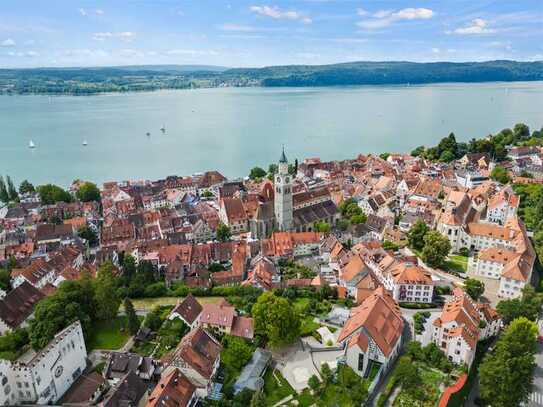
(43, 377)
(461, 325)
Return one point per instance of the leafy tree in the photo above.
(276, 319)
(506, 375)
(418, 151)
(13, 343)
(129, 266)
(322, 227)
(153, 320)
(12, 191)
(5, 279)
(326, 373)
(223, 232)
(500, 174)
(26, 187)
(416, 234)
(521, 131)
(257, 173)
(436, 248)
(314, 384)
(4, 195)
(107, 300)
(474, 288)
(384, 156)
(87, 233)
(343, 224)
(207, 194)
(358, 219)
(133, 323)
(50, 194)
(74, 300)
(236, 353)
(272, 169)
(527, 306)
(88, 192)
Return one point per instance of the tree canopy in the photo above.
(506, 374)
(257, 173)
(88, 192)
(500, 174)
(415, 236)
(436, 248)
(528, 306)
(223, 232)
(474, 288)
(276, 319)
(51, 194)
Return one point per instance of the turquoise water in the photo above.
(233, 129)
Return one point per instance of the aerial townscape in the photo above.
(399, 279)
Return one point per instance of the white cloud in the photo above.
(236, 27)
(385, 18)
(361, 12)
(436, 50)
(126, 36)
(131, 53)
(8, 43)
(277, 13)
(478, 26)
(30, 54)
(88, 12)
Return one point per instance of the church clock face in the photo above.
(278, 179)
(58, 370)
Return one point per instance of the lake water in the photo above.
(233, 130)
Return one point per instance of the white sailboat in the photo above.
(31, 144)
(85, 142)
(163, 129)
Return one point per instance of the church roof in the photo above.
(283, 158)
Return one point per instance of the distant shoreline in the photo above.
(92, 81)
(389, 85)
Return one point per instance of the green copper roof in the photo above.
(283, 158)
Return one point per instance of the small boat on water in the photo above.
(148, 134)
(85, 143)
(31, 144)
(163, 129)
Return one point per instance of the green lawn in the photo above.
(457, 263)
(150, 303)
(110, 334)
(308, 326)
(274, 390)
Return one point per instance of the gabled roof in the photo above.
(173, 390)
(380, 318)
(199, 350)
(189, 309)
(18, 304)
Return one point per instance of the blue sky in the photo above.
(260, 33)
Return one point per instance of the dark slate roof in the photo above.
(18, 304)
(127, 393)
(314, 213)
(189, 309)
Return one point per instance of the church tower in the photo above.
(283, 196)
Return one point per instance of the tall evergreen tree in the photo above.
(133, 323)
(12, 191)
(4, 196)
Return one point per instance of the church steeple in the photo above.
(283, 158)
(283, 195)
